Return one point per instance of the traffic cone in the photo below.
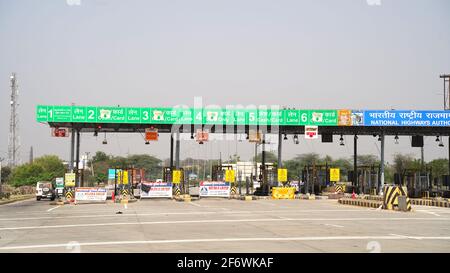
(353, 195)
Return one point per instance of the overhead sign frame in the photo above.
(255, 116)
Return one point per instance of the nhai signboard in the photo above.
(406, 118)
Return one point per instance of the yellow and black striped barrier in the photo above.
(361, 202)
(374, 197)
(233, 190)
(430, 202)
(125, 192)
(391, 194)
(69, 195)
(408, 204)
(339, 188)
(373, 191)
(176, 191)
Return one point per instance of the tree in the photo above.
(45, 168)
(150, 164)
(296, 165)
(308, 159)
(367, 160)
(403, 162)
(26, 174)
(6, 172)
(118, 162)
(343, 164)
(100, 157)
(439, 167)
(100, 177)
(270, 157)
(51, 164)
(294, 169)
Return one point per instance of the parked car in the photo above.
(45, 190)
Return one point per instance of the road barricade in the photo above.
(69, 194)
(156, 190)
(361, 202)
(214, 189)
(283, 193)
(339, 188)
(176, 190)
(430, 202)
(90, 195)
(391, 194)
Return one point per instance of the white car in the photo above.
(45, 190)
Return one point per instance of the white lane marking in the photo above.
(406, 237)
(74, 210)
(336, 226)
(268, 204)
(429, 212)
(325, 238)
(222, 221)
(224, 211)
(53, 208)
(194, 204)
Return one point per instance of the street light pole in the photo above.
(1, 160)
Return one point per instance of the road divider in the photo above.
(361, 202)
(13, 199)
(431, 202)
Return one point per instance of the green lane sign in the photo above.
(323, 117)
(165, 115)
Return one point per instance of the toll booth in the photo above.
(267, 176)
(167, 174)
(316, 177)
(441, 185)
(218, 171)
(222, 182)
(176, 177)
(418, 182)
(137, 176)
(367, 180)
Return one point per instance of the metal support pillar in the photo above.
(177, 151)
(264, 183)
(77, 160)
(72, 148)
(448, 155)
(380, 190)
(355, 162)
(280, 140)
(171, 151)
(177, 159)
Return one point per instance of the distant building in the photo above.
(245, 169)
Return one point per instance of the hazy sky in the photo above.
(304, 54)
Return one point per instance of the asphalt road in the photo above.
(221, 225)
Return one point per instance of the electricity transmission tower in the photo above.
(14, 145)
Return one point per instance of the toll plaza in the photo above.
(242, 206)
(326, 126)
